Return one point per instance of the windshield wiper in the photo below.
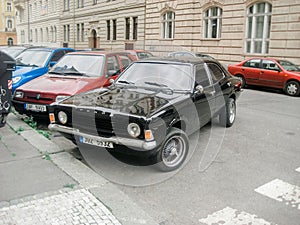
(155, 84)
(55, 72)
(125, 82)
(74, 73)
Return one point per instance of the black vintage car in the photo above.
(151, 109)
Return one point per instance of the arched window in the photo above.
(47, 34)
(212, 22)
(258, 28)
(10, 42)
(9, 24)
(168, 25)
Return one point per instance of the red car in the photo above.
(76, 72)
(140, 54)
(269, 72)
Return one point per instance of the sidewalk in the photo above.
(42, 183)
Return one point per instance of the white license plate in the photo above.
(95, 142)
(36, 108)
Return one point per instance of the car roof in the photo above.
(39, 48)
(94, 53)
(171, 60)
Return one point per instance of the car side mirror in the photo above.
(111, 81)
(52, 63)
(111, 73)
(199, 89)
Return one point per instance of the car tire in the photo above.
(242, 78)
(292, 88)
(228, 114)
(173, 151)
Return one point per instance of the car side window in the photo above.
(125, 60)
(201, 76)
(216, 72)
(270, 65)
(57, 55)
(112, 64)
(254, 63)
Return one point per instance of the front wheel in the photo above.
(228, 114)
(243, 81)
(174, 150)
(292, 88)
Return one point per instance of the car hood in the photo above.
(134, 101)
(67, 85)
(21, 70)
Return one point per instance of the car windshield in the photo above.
(158, 75)
(287, 65)
(79, 64)
(37, 58)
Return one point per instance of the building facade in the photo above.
(8, 34)
(230, 30)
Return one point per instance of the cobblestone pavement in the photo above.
(70, 207)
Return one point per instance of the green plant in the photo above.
(33, 124)
(69, 186)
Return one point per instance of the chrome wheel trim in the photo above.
(173, 151)
(292, 89)
(232, 111)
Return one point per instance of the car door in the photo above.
(251, 71)
(219, 83)
(271, 75)
(204, 101)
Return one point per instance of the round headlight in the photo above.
(16, 79)
(62, 117)
(133, 129)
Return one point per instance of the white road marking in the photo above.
(281, 191)
(230, 216)
(298, 170)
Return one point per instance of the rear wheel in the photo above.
(173, 151)
(292, 88)
(228, 114)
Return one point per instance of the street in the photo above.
(251, 175)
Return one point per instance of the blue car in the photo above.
(35, 62)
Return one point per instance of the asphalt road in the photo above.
(247, 173)
(262, 148)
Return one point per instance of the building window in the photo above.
(135, 26)
(78, 31)
(66, 5)
(9, 24)
(8, 7)
(258, 28)
(212, 22)
(66, 32)
(127, 28)
(36, 35)
(22, 36)
(108, 29)
(47, 35)
(10, 42)
(168, 25)
(41, 32)
(82, 32)
(80, 3)
(114, 30)
(94, 2)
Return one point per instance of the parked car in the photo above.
(76, 72)
(140, 54)
(151, 109)
(189, 54)
(34, 62)
(268, 72)
(13, 50)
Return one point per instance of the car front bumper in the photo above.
(138, 145)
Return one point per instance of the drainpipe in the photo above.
(28, 19)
